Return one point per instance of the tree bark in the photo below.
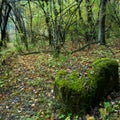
(31, 21)
(102, 18)
(89, 32)
(5, 9)
(20, 24)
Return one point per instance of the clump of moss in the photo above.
(70, 91)
(79, 93)
(105, 76)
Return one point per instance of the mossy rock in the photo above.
(105, 76)
(79, 93)
(70, 91)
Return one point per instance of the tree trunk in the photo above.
(1, 7)
(89, 31)
(31, 17)
(102, 16)
(20, 24)
(5, 11)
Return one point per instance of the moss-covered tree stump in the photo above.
(79, 93)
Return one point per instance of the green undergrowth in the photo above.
(5, 53)
(4, 56)
(110, 111)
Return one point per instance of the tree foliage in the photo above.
(79, 21)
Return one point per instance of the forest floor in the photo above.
(27, 83)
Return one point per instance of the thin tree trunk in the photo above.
(30, 10)
(1, 7)
(21, 25)
(89, 31)
(102, 16)
(4, 21)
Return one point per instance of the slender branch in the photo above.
(95, 42)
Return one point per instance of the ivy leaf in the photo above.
(61, 116)
(106, 105)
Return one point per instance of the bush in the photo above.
(79, 93)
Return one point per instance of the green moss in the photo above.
(105, 76)
(101, 60)
(79, 93)
(72, 91)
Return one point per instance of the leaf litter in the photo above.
(28, 91)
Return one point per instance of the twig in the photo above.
(84, 46)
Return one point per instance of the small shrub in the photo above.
(79, 93)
